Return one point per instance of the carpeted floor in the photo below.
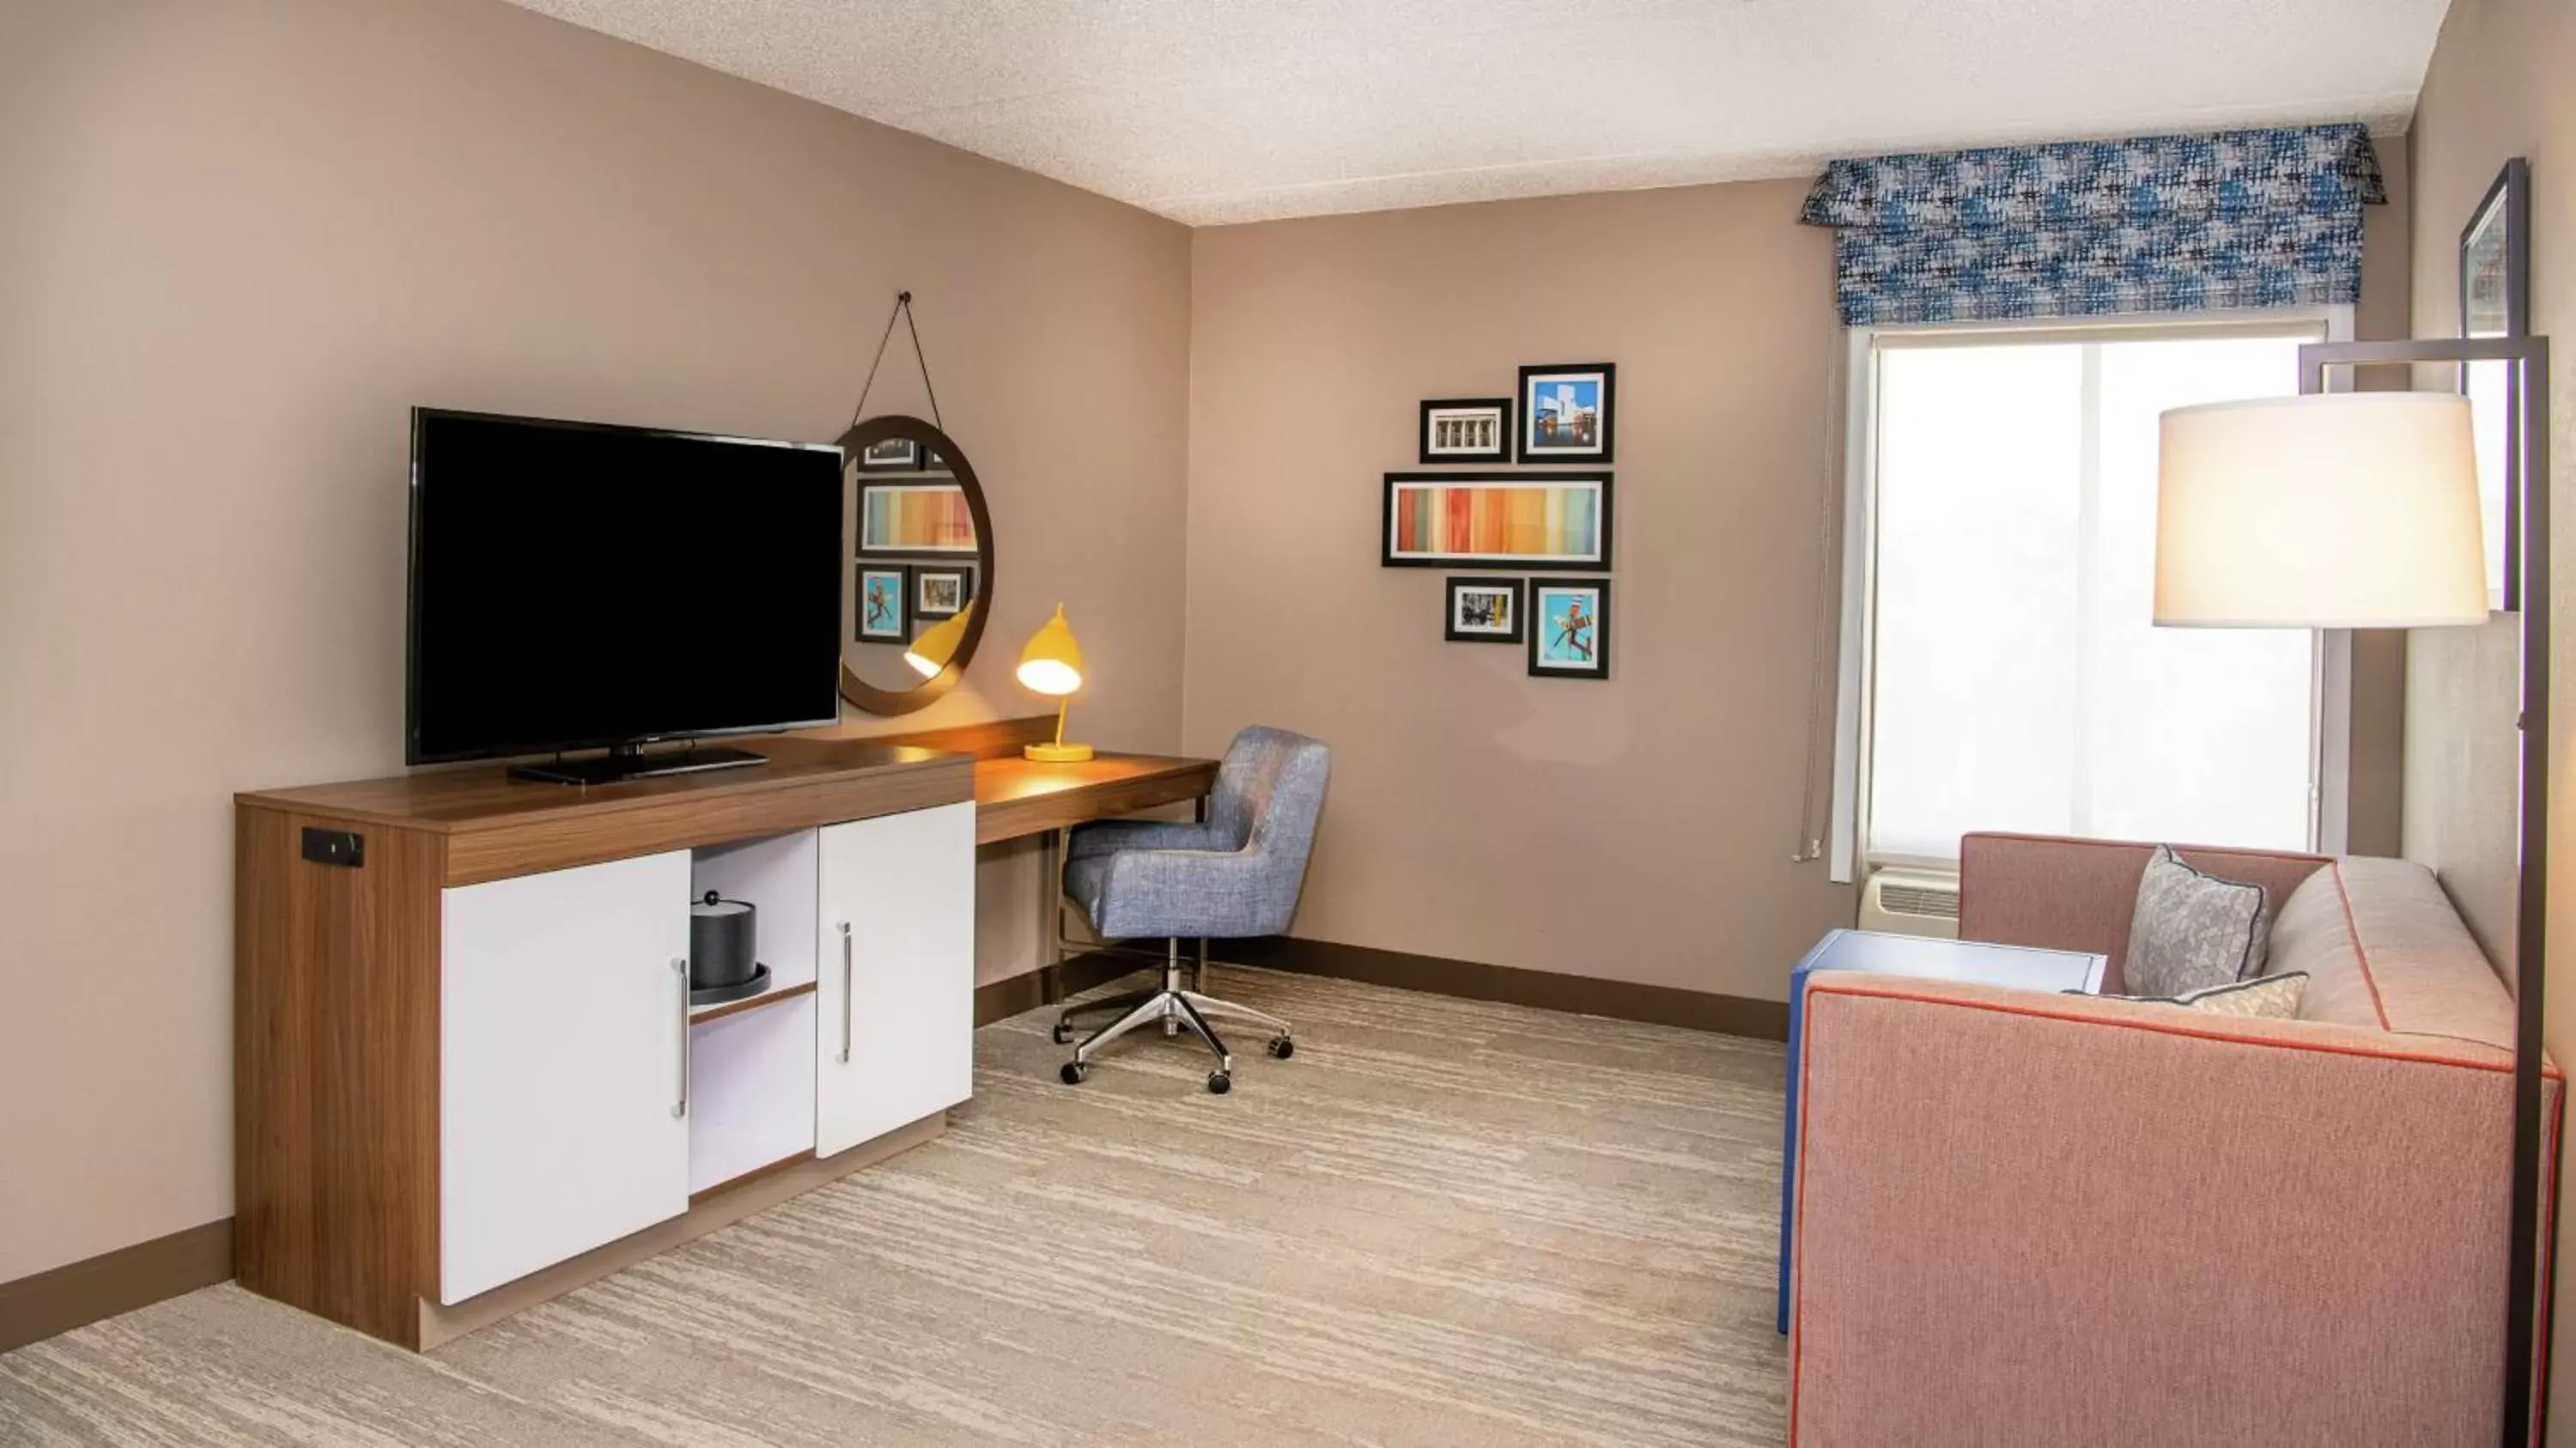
(1443, 1222)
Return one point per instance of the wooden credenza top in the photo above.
(495, 827)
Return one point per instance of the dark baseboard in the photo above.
(1660, 1005)
(80, 1293)
(1010, 996)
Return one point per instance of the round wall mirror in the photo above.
(922, 544)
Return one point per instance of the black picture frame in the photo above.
(909, 459)
(1527, 451)
(902, 629)
(1500, 452)
(1395, 482)
(911, 550)
(1449, 611)
(1536, 626)
(2498, 236)
(2505, 214)
(965, 573)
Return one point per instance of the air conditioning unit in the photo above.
(1911, 902)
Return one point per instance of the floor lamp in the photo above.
(2360, 510)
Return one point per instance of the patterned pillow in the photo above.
(2271, 997)
(2193, 931)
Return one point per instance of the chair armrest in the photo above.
(1107, 836)
(2024, 1217)
(1220, 894)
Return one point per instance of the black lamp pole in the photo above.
(2526, 592)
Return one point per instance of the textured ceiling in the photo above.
(1212, 111)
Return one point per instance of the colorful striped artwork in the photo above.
(1560, 520)
(915, 518)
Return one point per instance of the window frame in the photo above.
(2329, 751)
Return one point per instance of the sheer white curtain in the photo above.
(2016, 681)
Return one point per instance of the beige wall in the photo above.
(238, 238)
(2498, 88)
(1640, 829)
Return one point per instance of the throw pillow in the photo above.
(2194, 930)
(2271, 997)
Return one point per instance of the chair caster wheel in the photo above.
(1219, 1083)
(1063, 1034)
(1073, 1073)
(1281, 1048)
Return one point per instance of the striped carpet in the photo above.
(1443, 1222)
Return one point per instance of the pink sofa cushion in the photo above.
(2384, 949)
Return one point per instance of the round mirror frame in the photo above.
(855, 443)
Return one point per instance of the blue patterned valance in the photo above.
(2082, 228)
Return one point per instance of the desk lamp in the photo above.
(1052, 665)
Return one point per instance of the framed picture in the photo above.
(915, 518)
(2495, 301)
(1569, 628)
(1467, 430)
(891, 455)
(940, 590)
(1567, 411)
(1484, 611)
(882, 617)
(1503, 520)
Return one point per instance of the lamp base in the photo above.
(1057, 753)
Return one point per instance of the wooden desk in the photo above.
(1019, 797)
(1016, 797)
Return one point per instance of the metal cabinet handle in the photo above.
(845, 992)
(680, 967)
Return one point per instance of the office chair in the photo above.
(1235, 875)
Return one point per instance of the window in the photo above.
(2009, 673)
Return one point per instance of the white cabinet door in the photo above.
(895, 1032)
(563, 1025)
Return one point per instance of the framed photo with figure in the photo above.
(1484, 611)
(941, 590)
(1569, 628)
(882, 615)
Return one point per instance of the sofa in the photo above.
(2026, 1218)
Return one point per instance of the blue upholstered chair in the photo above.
(1235, 875)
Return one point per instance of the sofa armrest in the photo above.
(2058, 893)
(2026, 1218)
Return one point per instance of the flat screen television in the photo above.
(578, 586)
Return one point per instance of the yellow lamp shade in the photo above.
(1052, 665)
(938, 644)
(2340, 510)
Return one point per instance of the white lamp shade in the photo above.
(2338, 510)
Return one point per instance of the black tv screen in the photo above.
(575, 585)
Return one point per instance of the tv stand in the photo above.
(629, 761)
(467, 1072)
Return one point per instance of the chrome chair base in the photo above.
(1175, 1008)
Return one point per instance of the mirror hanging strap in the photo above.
(903, 311)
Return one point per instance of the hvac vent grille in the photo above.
(1915, 900)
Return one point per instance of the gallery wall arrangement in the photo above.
(1557, 520)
